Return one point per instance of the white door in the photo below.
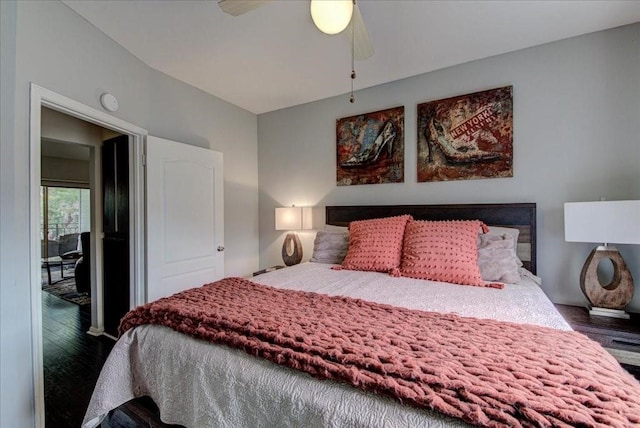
(185, 241)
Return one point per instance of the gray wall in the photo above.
(48, 44)
(16, 396)
(576, 138)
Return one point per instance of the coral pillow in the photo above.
(376, 245)
(443, 251)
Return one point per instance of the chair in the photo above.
(83, 265)
(69, 246)
(53, 248)
(62, 253)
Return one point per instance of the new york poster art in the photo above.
(466, 137)
(370, 148)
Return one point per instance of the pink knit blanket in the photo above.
(484, 372)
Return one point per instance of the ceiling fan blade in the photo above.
(362, 47)
(238, 7)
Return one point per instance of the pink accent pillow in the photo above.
(443, 251)
(376, 245)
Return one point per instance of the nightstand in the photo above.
(620, 337)
(269, 269)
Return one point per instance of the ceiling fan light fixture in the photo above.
(331, 16)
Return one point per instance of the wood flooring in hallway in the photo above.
(72, 360)
(72, 363)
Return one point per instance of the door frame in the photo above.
(42, 97)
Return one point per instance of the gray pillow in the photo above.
(330, 246)
(497, 259)
(514, 233)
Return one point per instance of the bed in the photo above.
(196, 383)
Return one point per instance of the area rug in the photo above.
(66, 289)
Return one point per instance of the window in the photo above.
(65, 211)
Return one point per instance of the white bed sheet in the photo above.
(197, 384)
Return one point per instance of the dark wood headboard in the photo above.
(520, 216)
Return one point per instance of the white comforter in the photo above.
(197, 384)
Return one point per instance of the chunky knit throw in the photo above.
(485, 372)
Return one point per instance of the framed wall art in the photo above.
(466, 137)
(370, 148)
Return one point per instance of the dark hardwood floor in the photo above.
(634, 370)
(72, 363)
(72, 360)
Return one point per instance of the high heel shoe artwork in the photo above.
(466, 137)
(436, 135)
(370, 151)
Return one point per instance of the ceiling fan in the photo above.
(322, 12)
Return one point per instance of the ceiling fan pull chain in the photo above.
(352, 98)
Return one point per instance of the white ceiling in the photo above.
(273, 57)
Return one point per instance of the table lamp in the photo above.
(292, 219)
(606, 222)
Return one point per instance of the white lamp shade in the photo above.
(615, 222)
(331, 16)
(294, 218)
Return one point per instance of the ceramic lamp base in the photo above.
(291, 249)
(615, 295)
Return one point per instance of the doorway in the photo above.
(189, 220)
(41, 97)
(70, 151)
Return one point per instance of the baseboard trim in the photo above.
(100, 332)
(625, 357)
(110, 337)
(95, 331)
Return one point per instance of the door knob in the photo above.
(220, 248)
